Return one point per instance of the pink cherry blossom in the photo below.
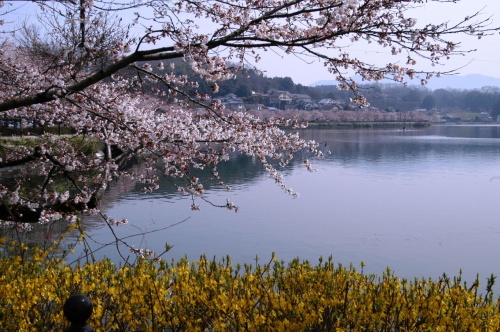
(93, 72)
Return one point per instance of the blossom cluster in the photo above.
(168, 137)
(93, 78)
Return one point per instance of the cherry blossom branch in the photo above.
(106, 91)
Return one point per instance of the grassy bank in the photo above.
(6, 131)
(11, 144)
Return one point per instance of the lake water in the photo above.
(422, 202)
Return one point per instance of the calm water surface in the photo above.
(421, 202)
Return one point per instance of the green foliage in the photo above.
(222, 296)
(495, 111)
(429, 102)
(10, 147)
(477, 101)
(243, 90)
(80, 143)
(27, 131)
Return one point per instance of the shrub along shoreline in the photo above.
(222, 296)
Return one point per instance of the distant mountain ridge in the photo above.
(466, 82)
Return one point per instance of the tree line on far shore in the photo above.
(380, 95)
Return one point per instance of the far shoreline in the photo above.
(370, 124)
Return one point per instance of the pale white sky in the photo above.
(485, 61)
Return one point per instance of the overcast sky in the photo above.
(485, 61)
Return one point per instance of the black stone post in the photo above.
(77, 309)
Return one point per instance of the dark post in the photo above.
(77, 309)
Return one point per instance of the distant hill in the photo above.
(467, 82)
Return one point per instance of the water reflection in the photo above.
(421, 202)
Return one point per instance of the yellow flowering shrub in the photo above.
(221, 296)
